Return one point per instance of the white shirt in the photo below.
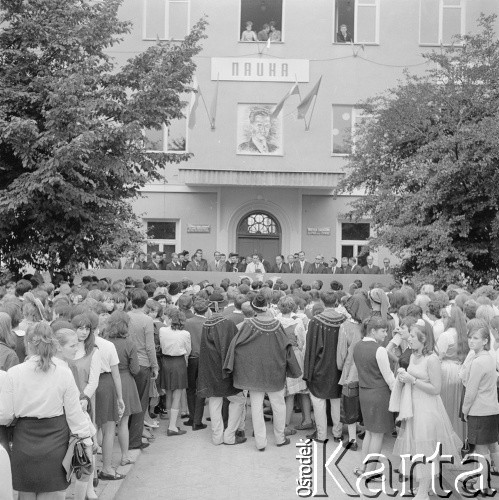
(175, 342)
(95, 367)
(383, 363)
(108, 354)
(29, 392)
(6, 492)
(255, 268)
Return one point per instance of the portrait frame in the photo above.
(271, 128)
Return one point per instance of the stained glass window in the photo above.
(259, 224)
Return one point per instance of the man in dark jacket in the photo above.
(260, 357)
(320, 366)
(218, 332)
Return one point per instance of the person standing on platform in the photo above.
(255, 266)
(301, 266)
(370, 268)
(197, 263)
(141, 329)
(320, 366)
(216, 265)
(260, 357)
(194, 326)
(217, 334)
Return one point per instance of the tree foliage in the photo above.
(428, 163)
(72, 154)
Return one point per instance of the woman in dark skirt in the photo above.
(349, 335)
(42, 392)
(175, 348)
(375, 382)
(117, 333)
(480, 406)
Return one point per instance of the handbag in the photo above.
(350, 390)
(76, 460)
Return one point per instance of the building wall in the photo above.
(350, 74)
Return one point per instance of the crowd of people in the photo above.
(96, 358)
(294, 263)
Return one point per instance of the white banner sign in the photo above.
(245, 69)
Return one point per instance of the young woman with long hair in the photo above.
(452, 348)
(429, 424)
(117, 333)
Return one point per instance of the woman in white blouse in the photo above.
(6, 492)
(42, 394)
(176, 347)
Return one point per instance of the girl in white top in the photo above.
(6, 492)
(176, 347)
(42, 394)
(67, 341)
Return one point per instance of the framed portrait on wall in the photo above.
(258, 134)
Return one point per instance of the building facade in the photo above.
(263, 182)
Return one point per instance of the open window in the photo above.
(261, 20)
(356, 21)
(165, 19)
(172, 139)
(440, 21)
(354, 241)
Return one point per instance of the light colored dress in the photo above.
(429, 424)
(295, 331)
(452, 386)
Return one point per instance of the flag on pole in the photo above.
(304, 106)
(194, 104)
(213, 107)
(294, 90)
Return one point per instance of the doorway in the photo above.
(259, 232)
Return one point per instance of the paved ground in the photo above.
(189, 467)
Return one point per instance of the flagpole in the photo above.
(296, 82)
(307, 126)
(206, 108)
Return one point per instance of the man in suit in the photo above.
(197, 263)
(217, 264)
(370, 268)
(317, 267)
(354, 267)
(332, 269)
(386, 267)
(280, 266)
(345, 267)
(175, 264)
(155, 264)
(231, 266)
(291, 262)
(266, 264)
(301, 266)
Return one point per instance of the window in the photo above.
(440, 21)
(172, 139)
(344, 120)
(162, 236)
(354, 241)
(165, 19)
(261, 20)
(356, 21)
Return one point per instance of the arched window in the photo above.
(259, 223)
